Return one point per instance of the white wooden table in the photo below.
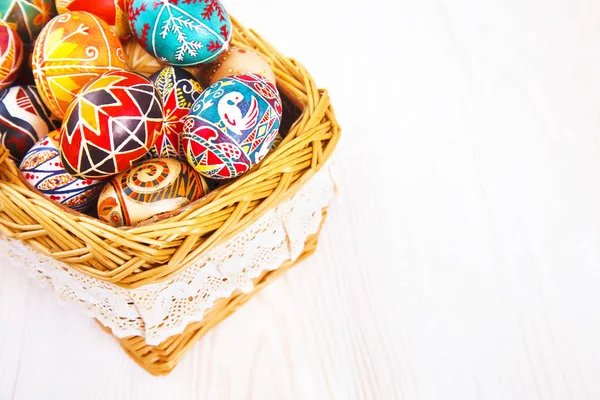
(461, 257)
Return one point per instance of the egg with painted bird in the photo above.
(179, 90)
(235, 61)
(41, 167)
(232, 126)
(24, 119)
(181, 33)
(152, 187)
(72, 49)
(114, 121)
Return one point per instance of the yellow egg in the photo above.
(238, 60)
(72, 49)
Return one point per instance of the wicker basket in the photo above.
(160, 286)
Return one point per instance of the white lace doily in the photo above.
(157, 311)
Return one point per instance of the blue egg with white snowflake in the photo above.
(232, 126)
(181, 32)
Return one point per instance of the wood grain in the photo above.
(460, 258)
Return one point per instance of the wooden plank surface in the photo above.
(461, 256)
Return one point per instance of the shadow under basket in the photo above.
(158, 287)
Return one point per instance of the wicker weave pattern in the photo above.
(156, 250)
(158, 311)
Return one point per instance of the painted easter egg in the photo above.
(113, 122)
(139, 60)
(27, 17)
(11, 55)
(238, 60)
(41, 167)
(72, 49)
(182, 33)
(152, 187)
(24, 119)
(179, 90)
(113, 12)
(232, 126)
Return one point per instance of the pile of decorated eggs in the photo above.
(129, 109)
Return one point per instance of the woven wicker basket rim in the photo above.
(156, 250)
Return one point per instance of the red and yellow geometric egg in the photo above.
(114, 122)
